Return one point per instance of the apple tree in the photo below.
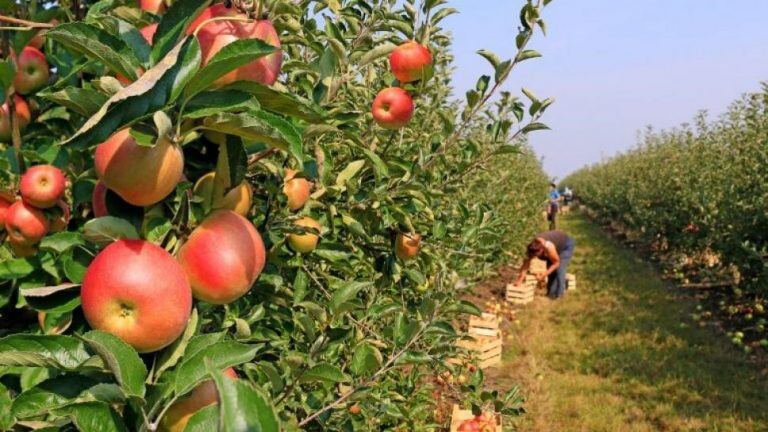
(249, 235)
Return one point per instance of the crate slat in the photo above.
(570, 281)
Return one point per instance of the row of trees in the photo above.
(344, 328)
(699, 190)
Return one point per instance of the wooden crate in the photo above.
(486, 349)
(537, 266)
(521, 294)
(485, 325)
(459, 416)
(570, 281)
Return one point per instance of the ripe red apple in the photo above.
(236, 199)
(136, 291)
(31, 70)
(407, 245)
(469, 426)
(142, 176)
(21, 114)
(296, 189)
(205, 394)
(5, 203)
(223, 257)
(25, 224)
(152, 6)
(42, 185)
(99, 200)
(355, 409)
(61, 217)
(213, 36)
(305, 243)
(149, 32)
(392, 108)
(410, 61)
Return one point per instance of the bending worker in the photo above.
(556, 248)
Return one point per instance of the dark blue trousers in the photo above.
(556, 282)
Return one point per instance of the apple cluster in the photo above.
(32, 73)
(40, 210)
(485, 422)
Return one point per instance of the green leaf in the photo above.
(60, 352)
(528, 54)
(62, 241)
(93, 417)
(534, 127)
(349, 172)
(346, 293)
(6, 418)
(151, 92)
(376, 53)
(49, 290)
(105, 230)
(221, 355)
(50, 394)
(171, 355)
(7, 73)
(205, 420)
(280, 102)
(97, 44)
(250, 126)
(242, 406)
(124, 362)
(324, 372)
(366, 359)
(212, 102)
(16, 268)
(173, 25)
(80, 100)
(232, 56)
(492, 58)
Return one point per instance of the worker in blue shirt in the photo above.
(554, 205)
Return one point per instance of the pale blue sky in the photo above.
(615, 66)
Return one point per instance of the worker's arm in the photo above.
(554, 259)
(523, 271)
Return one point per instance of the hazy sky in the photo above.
(615, 66)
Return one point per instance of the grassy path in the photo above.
(619, 355)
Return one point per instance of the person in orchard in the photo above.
(556, 248)
(554, 204)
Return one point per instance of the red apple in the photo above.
(61, 217)
(305, 243)
(31, 70)
(136, 291)
(42, 186)
(25, 224)
(236, 199)
(407, 245)
(410, 61)
(469, 426)
(152, 6)
(296, 189)
(99, 200)
(215, 35)
(5, 203)
(142, 176)
(148, 32)
(205, 394)
(21, 114)
(392, 108)
(223, 257)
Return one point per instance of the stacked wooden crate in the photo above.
(570, 281)
(523, 293)
(484, 340)
(537, 266)
(459, 416)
